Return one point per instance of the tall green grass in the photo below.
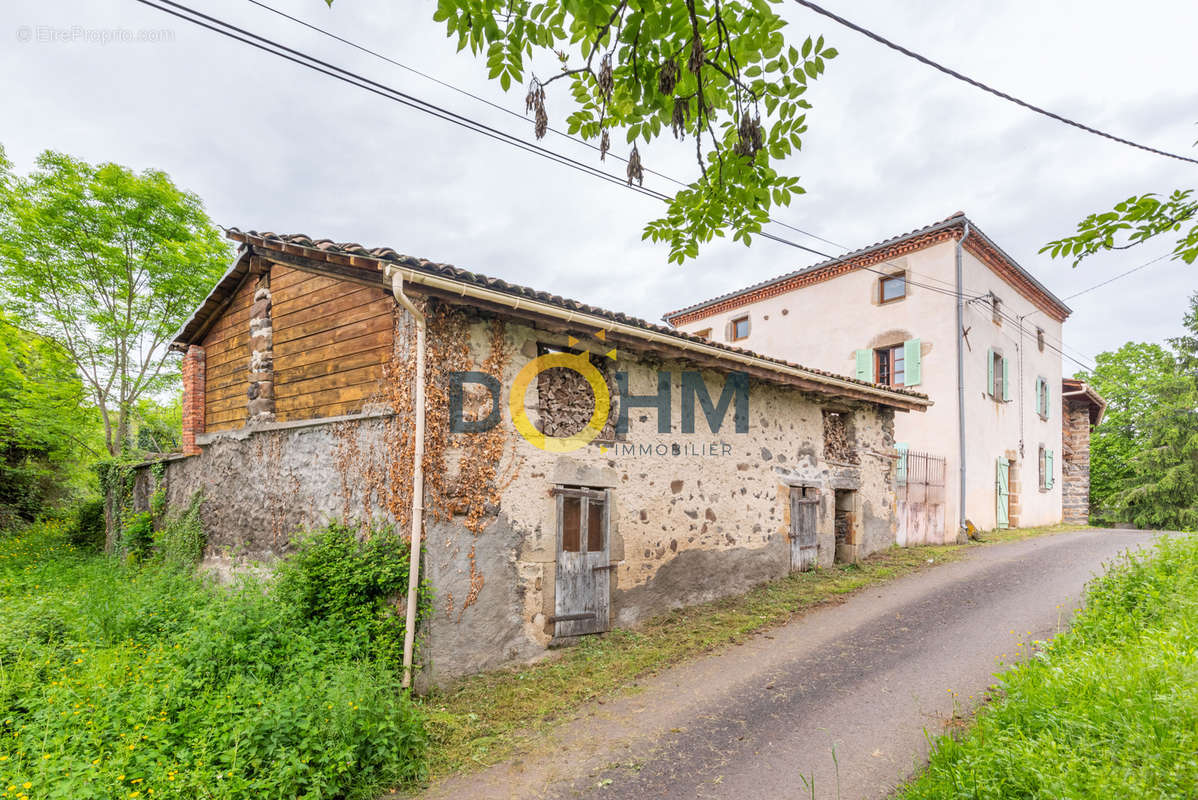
(1107, 710)
(123, 680)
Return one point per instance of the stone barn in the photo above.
(581, 469)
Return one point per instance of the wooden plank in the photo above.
(333, 410)
(371, 324)
(349, 377)
(295, 278)
(224, 359)
(344, 394)
(236, 341)
(283, 312)
(314, 321)
(235, 389)
(225, 328)
(354, 359)
(236, 402)
(334, 350)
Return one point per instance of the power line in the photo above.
(273, 47)
(303, 59)
(1120, 275)
(979, 85)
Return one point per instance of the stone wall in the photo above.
(1075, 463)
(694, 516)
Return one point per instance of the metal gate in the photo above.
(920, 493)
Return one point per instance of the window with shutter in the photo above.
(864, 365)
(914, 362)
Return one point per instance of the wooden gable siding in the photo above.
(227, 363)
(331, 340)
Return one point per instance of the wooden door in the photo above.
(1003, 494)
(582, 582)
(804, 537)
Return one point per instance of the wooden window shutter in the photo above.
(1048, 473)
(912, 363)
(1006, 388)
(728, 331)
(865, 365)
(990, 372)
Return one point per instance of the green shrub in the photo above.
(351, 584)
(86, 528)
(1107, 710)
(119, 677)
(137, 535)
(180, 540)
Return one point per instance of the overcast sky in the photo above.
(892, 144)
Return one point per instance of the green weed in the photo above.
(121, 679)
(1108, 709)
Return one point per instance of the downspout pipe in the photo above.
(409, 634)
(961, 375)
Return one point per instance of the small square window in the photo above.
(1040, 339)
(740, 328)
(996, 310)
(893, 287)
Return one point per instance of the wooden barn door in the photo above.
(583, 578)
(804, 538)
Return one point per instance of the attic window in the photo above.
(892, 287)
(738, 329)
(1040, 339)
(996, 309)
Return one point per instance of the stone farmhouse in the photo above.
(944, 310)
(564, 467)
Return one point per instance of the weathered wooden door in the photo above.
(1003, 494)
(804, 537)
(582, 582)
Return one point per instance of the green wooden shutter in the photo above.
(1048, 473)
(1002, 494)
(911, 362)
(901, 474)
(865, 365)
(990, 372)
(1006, 388)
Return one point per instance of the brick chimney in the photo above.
(193, 398)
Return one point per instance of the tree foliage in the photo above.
(108, 263)
(1144, 455)
(45, 423)
(1133, 222)
(717, 71)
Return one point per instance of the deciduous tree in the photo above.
(108, 263)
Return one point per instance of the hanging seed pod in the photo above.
(682, 109)
(750, 137)
(695, 63)
(535, 101)
(604, 145)
(667, 77)
(635, 169)
(606, 82)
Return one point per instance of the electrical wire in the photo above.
(273, 47)
(979, 85)
(1120, 275)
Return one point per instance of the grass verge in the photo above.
(1108, 709)
(137, 680)
(486, 717)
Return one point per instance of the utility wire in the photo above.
(979, 85)
(303, 59)
(1120, 275)
(295, 56)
